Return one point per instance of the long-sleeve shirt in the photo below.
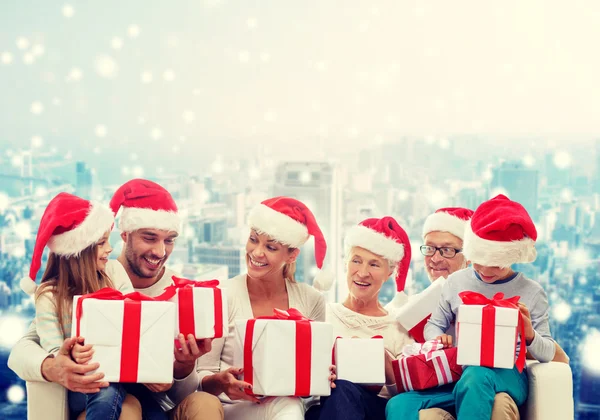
(531, 293)
(300, 296)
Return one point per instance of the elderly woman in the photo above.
(374, 250)
(278, 228)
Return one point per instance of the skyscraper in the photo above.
(520, 183)
(84, 181)
(317, 185)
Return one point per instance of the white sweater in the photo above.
(300, 296)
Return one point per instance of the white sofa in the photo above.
(550, 395)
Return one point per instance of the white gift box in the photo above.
(198, 309)
(472, 342)
(141, 350)
(274, 357)
(421, 305)
(360, 360)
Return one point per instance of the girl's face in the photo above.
(265, 256)
(103, 251)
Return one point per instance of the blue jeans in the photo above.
(103, 405)
(349, 401)
(472, 396)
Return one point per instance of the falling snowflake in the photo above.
(137, 171)
(37, 108)
(244, 56)
(38, 50)
(562, 159)
(444, 143)
(68, 11)
(75, 75)
(321, 66)
(169, 75)
(146, 77)
(37, 142)
(97, 150)
(100, 130)
(28, 58)
(566, 194)
(265, 57)
(141, 120)
(254, 173)
(106, 66)
(528, 161)
(23, 230)
(133, 31)
(6, 58)
(561, 312)
(189, 116)
(125, 170)
(251, 22)
(116, 43)
(590, 349)
(403, 195)
(579, 258)
(437, 197)
(22, 43)
(156, 133)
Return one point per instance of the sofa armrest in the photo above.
(46, 400)
(550, 391)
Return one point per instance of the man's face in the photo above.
(438, 266)
(147, 250)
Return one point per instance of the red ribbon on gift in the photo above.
(303, 349)
(132, 319)
(185, 298)
(488, 324)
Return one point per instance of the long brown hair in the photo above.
(66, 277)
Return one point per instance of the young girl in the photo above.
(76, 231)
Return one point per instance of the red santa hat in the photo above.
(291, 223)
(68, 226)
(500, 234)
(449, 219)
(383, 237)
(145, 205)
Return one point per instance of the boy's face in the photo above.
(492, 274)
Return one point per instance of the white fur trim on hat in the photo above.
(444, 222)
(377, 243)
(278, 226)
(133, 219)
(495, 253)
(99, 219)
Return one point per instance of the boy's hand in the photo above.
(529, 331)
(81, 353)
(445, 339)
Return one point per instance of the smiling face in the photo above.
(147, 250)
(438, 266)
(366, 274)
(103, 250)
(265, 257)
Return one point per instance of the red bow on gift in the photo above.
(132, 318)
(488, 322)
(185, 298)
(303, 348)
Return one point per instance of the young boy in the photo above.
(500, 234)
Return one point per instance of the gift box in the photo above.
(424, 366)
(360, 360)
(413, 315)
(132, 335)
(201, 308)
(487, 331)
(284, 355)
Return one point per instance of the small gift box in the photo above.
(201, 308)
(487, 331)
(132, 335)
(424, 366)
(360, 360)
(284, 355)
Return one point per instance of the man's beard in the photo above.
(132, 260)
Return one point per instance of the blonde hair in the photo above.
(66, 277)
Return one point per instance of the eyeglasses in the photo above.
(445, 251)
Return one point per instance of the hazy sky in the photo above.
(122, 75)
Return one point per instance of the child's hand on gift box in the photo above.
(445, 339)
(333, 376)
(529, 331)
(82, 353)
